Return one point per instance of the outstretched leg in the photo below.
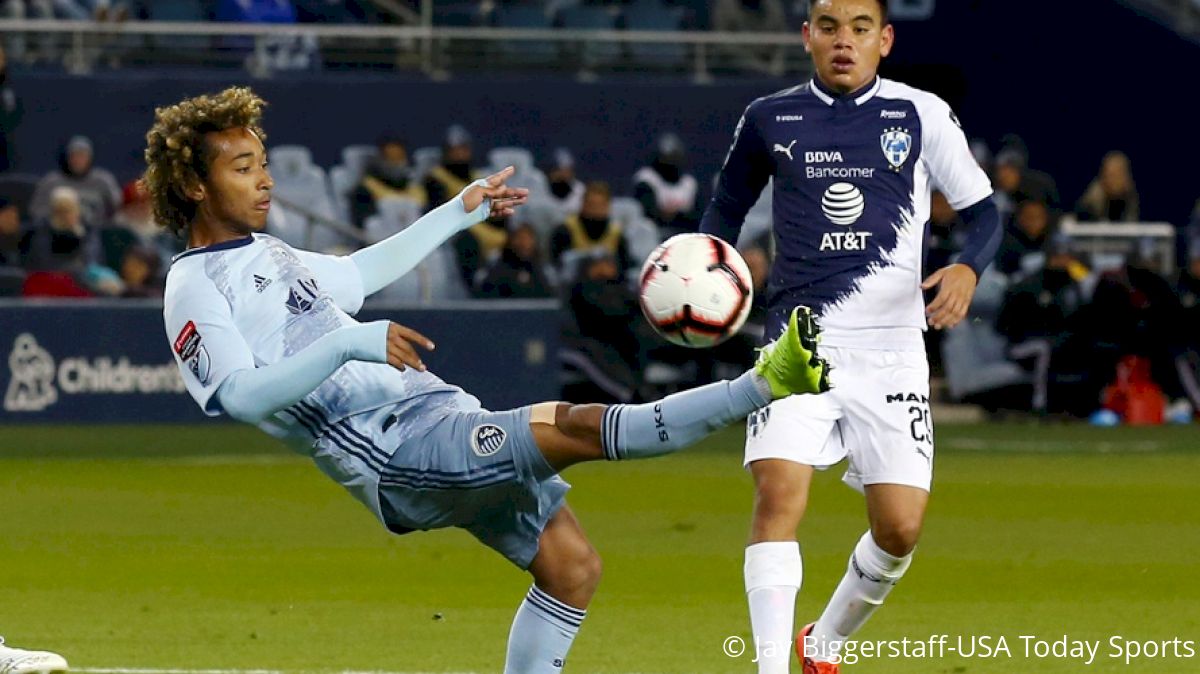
(569, 434)
(565, 572)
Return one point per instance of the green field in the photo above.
(212, 548)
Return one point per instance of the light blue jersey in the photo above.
(254, 301)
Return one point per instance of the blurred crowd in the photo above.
(1055, 329)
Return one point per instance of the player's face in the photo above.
(237, 193)
(847, 39)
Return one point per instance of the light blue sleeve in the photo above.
(252, 395)
(383, 263)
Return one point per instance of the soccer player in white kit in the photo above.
(854, 158)
(264, 333)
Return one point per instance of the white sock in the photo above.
(870, 576)
(773, 573)
(542, 633)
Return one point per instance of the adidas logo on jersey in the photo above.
(261, 283)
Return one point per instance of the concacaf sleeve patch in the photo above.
(193, 353)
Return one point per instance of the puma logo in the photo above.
(786, 150)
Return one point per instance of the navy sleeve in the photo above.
(983, 236)
(747, 168)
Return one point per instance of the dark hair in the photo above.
(883, 9)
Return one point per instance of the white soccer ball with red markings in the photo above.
(695, 290)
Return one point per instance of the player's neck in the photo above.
(203, 233)
(839, 91)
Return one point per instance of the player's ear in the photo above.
(887, 38)
(194, 190)
(804, 32)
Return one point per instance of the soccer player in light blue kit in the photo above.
(853, 158)
(263, 332)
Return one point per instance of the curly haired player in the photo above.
(264, 333)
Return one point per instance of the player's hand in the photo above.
(504, 198)
(401, 347)
(956, 287)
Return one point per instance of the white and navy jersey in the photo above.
(254, 301)
(852, 181)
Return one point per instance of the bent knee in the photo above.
(897, 538)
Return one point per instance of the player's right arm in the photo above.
(745, 173)
(220, 371)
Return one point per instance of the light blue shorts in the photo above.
(477, 470)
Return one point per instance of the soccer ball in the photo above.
(695, 290)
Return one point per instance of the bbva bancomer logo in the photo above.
(35, 381)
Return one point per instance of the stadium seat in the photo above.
(517, 157)
(424, 159)
(176, 10)
(531, 53)
(355, 158)
(592, 18)
(18, 188)
(643, 237)
(342, 181)
(529, 178)
(395, 213)
(12, 280)
(626, 209)
(289, 158)
(663, 19)
(305, 187)
(434, 280)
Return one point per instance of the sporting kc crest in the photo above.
(897, 144)
(487, 439)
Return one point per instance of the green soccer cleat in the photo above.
(790, 364)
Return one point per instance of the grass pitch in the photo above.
(211, 547)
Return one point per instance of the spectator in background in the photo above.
(1025, 238)
(598, 340)
(61, 240)
(566, 190)
(518, 271)
(1187, 286)
(667, 192)
(945, 233)
(385, 176)
(97, 189)
(1015, 182)
(594, 227)
(454, 172)
(1136, 312)
(11, 232)
(141, 273)
(1112, 195)
(477, 245)
(134, 225)
(11, 112)
(752, 16)
(1044, 319)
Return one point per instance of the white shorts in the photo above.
(877, 415)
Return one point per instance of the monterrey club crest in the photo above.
(896, 144)
(487, 439)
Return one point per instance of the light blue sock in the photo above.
(542, 633)
(680, 419)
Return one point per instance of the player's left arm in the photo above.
(953, 170)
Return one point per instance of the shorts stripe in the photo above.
(419, 482)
